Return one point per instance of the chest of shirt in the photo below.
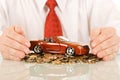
(32, 11)
(31, 17)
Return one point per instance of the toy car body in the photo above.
(58, 44)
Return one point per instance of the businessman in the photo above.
(94, 21)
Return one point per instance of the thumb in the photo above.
(19, 30)
(94, 33)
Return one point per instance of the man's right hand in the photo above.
(13, 44)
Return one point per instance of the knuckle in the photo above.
(10, 34)
(105, 44)
(21, 39)
(102, 46)
(101, 37)
(12, 52)
(21, 48)
(18, 46)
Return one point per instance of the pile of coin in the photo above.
(60, 59)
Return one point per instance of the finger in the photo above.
(10, 57)
(109, 51)
(109, 57)
(19, 30)
(13, 44)
(106, 33)
(106, 44)
(14, 58)
(7, 50)
(110, 42)
(17, 37)
(94, 33)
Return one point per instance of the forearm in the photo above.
(106, 19)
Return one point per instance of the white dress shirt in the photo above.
(77, 17)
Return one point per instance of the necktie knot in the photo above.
(51, 4)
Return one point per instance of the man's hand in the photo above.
(105, 43)
(13, 44)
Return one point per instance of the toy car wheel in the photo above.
(70, 51)
(38, 49)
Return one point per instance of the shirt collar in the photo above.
(61, 4)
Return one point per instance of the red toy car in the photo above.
(58, 44)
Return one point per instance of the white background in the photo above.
(117, 2)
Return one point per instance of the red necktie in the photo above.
(52, 24)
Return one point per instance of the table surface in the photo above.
(12, 70)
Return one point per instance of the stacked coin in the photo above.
(60, 59)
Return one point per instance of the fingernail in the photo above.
(27, 44)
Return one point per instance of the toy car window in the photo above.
(62, 38)
(46, 39)
(51, 40)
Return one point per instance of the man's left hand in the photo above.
(105, 42)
